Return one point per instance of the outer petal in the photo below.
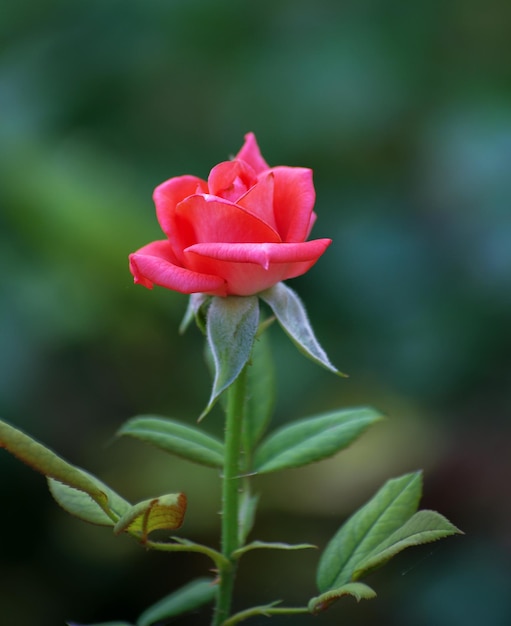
(251, 154)
(263, 254)
(168, 195)
(294, 198)
(156, 264)
(207, 219)
(251, 268)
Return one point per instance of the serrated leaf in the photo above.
(359, 591)
(44, 460)
(179, 439)
(423, 527)
(385, 513)
(261, 394)
(312, 439)
(231, 328)
(83, 506)
(291, 315)
(163, 513)
(187, 598)
(270, 545)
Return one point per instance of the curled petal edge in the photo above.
(263, 254)
(150, 269)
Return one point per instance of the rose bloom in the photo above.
(238, 233)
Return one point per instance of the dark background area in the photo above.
(403, 111)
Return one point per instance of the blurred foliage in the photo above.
(402, 110)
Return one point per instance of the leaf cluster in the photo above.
(387, 524)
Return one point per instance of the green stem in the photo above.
(267, 611)
(230, 496)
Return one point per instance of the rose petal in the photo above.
(155, 264)
(251, 154)
(231, 179)
(264, 254)
(168, 195)
(293, 201)
(259, 200)
(241, 279)
(251, 268)
(207, 218)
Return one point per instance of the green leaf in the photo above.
(375, 522)
(180, 439)
(231, 329)
(81, 504)
(44, 460)
(163, 513)
(246, 514)
(423, 527)
(291, 315)
(265, 545)
(313, 439)
(261, 394)
(360, 591)
(187, 598)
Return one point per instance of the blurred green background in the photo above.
(403, 111)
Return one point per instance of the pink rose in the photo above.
(239, 233)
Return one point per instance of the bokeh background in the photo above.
(403, 110)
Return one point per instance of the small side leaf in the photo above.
(187, 598)
(265, 545)
(385, 513)
(359, 591)
(80, 504)
(313, 439)
(231, 329)
(163, 513)
(179, 439)
(291, 315)
(423, 527)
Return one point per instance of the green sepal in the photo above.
(375, 522)
(81, 505)
(45, 461)
(312, 439)
(187, 598)
(194, 311)
(180, 439)
(360, 591)
(292, 316)
(231, 328)
(267, 545)
(163, 513)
